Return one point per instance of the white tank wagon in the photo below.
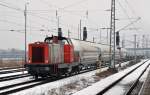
(89, 51)
(86, 52)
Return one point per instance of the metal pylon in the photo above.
(112, 35)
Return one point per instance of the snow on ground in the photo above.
(124, 85)
(11, 74)
(57, 86)
(99, 86)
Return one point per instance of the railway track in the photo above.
(134, 84)
(25, 85)
(7, 68)
(19, 86)
(12, 70)
(6, 78)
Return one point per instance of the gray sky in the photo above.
(42, 15)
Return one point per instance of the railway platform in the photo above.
(146, 87)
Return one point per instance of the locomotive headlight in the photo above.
(46, 61)
(29, 61)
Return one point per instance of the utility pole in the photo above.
(143, 41)
(69, 33)
(107, 28)
(93, 39)
(123, 42)
(107, 36)
(80, 29)
(135, 46)
(100, 36)
(58, 21)
(112, 35)
(146, 46)
(143, 45)
(25, 15)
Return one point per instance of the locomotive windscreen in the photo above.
(38, 54)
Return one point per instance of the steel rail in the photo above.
(13, 77)
(7, 68)
(117, 81)
(12, 71)
(17, 84)
(136, 82)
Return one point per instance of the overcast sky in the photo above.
(41, 15)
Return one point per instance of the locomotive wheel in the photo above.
(78, 70)
(44, 76)
(36, 77)
(67, 74)
(58, 75)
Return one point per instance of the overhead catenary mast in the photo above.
(80, 26)
(135, 43)
(25, 15)
(112, 35)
